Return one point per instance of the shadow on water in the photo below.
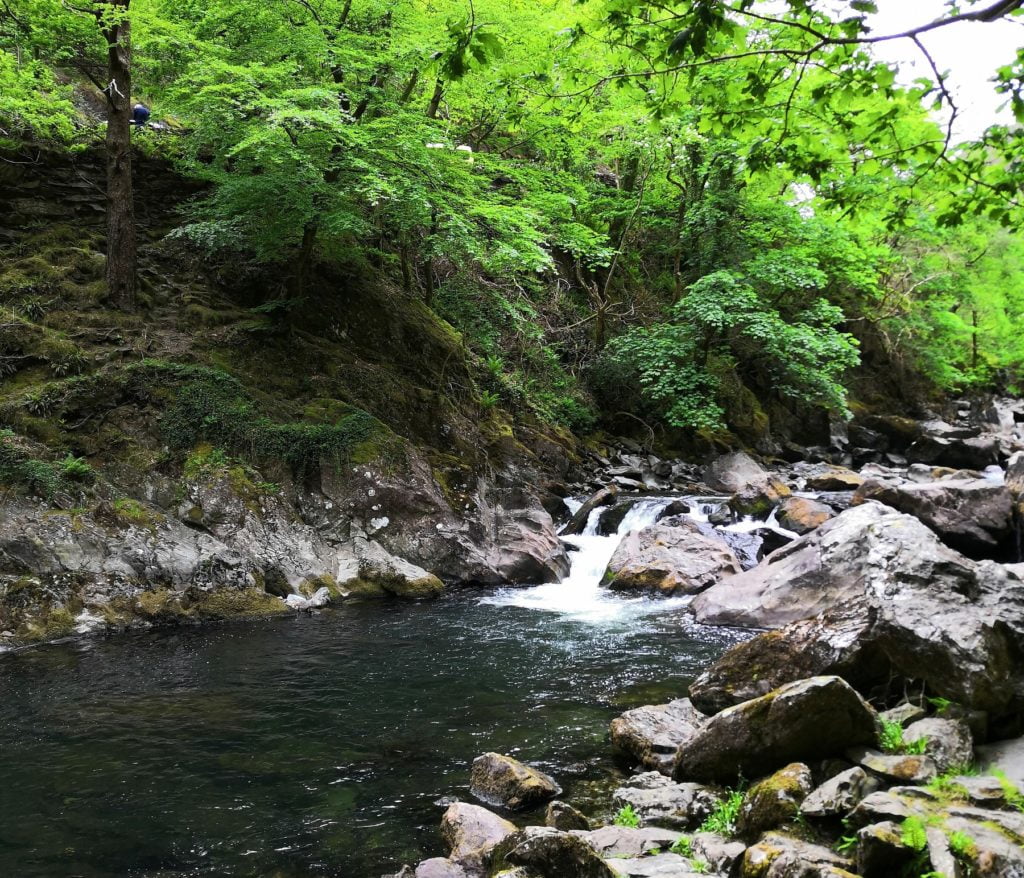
(320, 745)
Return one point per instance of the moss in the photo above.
(311, 586)
(133, 513)
(231, 603)
(49, 623)
(156, 605)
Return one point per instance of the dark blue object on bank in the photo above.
(140, 115)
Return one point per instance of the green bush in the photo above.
(626, 816)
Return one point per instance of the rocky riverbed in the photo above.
(868, 728)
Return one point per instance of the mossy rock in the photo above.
(232, 603)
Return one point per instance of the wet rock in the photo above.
(898, 768)
(506, 782)
(971, 515)
(840, 794)
(651, 735)
(719, 852)
(881, 851)
(833, 478)
(471, 832)
(802, 515)
(669, 560)
(626, 841)
(808, 719)
(735, 472)
(1015, 475)
(438, 867)
(777, 855)
(948, 742)
(659, 801)
(394, 575)
(578, 523)
(776, 800)
(612, 516)
(561, 815)
(554, 854)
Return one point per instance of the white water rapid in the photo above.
(580, 595)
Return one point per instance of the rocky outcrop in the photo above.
(900, 603)
(578, 523)
(974, 516)
(948, 742)
(774, 801)
(652, 735)
(808, 719)
(667, 560)
(508, 783)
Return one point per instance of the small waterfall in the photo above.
(580, 594)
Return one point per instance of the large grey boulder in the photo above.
(948, 742)
(471, 832)
(973, 515)
(669, 560)
(896, 602)
(735, 472)
(806, 720)
(774, 801)
(555, 854)
(778, 855)
(802, 515)
(651, 735)
(839, 795)
(853, 552)
(971, 453)
(508, 783)
(628, 841)
(660, 801)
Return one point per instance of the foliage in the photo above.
(722, 818)
(626, 816)
(682, 846)
(913, 833)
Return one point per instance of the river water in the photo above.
(324, 744)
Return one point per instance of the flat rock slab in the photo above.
(658, 866)
(627, 841)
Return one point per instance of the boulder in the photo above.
(802, 515)
(561, 815)
(882, 852)
(777, 855)
(657, 866)
(904, 605)
(904, 714)
(832, 564)
(719, 852)
(948, 742)
(578, 523)
(651, 735)
(471, 832)
(669, 560)
(659, 801)
(900, 432)
(438, 867)
(1006, 756)
(808, 719)
(776, 800)
(507, 783)
(833, 640)
(826, 477)
(973, 453)
(895, 768)
(840, 794)
(627, 841)
(1015, 475)
(554, 854)
(973, 515)
(734, 472)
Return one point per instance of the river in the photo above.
(323, 744)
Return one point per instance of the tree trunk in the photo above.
(435, 100)
(120, 206)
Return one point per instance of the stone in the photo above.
(839, 795)
(1015, 475)
(669, 560)
(1007, 756)
(802, 515)
(628, 841)
(471, 831)
(973, 515)
(898, 768)
(657, 866)
(833, 478)
(881, 851)
(578, 523)
(904, 714)
(973, 453)
(734, 472)
(948, 742)
(507, 783)
(808, 719)
(660, 801)
(561, 815)
(898, 604)
(719, 852)
(651, 735)
(773, 801)
(777, 855)
(554, 854)
(438, 867)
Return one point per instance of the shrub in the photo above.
(626, 816)
(723, 818)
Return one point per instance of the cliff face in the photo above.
(206, 456)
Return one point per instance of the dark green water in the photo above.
(321, 745)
